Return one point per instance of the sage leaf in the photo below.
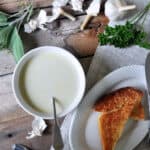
(3, 17)
(16, 45)
(5, 33)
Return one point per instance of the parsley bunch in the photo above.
(128, 34)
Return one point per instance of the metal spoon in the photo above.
(57, 137)
(19, 147)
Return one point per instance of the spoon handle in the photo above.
(57, 138)
(54, 111)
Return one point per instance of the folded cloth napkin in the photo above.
(107, 59)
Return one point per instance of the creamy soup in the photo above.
(47, 75)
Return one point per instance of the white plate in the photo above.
(83, 133)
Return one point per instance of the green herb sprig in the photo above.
(9, 30)
(128, 34)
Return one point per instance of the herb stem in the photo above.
(23, 14)
(18, 19)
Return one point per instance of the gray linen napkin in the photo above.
(107, 59)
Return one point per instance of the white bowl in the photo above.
(15, 80)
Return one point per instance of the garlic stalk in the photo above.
(116, 9)
(92, 10)
(58, 10)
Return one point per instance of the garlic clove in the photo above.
(77, 5)
(42, 17)
(112, 11)
(38, 127)
(56, 12)
(30, 26)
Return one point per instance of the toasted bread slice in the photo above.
(118, 99)
(111, 125)
(117, 107)
(138, 112)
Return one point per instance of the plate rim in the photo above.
(94, 87)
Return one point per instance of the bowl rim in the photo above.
(15, 79)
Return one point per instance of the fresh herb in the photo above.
(128, 34)
(9, 30)
(16, 45)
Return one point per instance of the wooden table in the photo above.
(14, 122)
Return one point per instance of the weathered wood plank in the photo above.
(13, 5)
(9, 109)
(7, 62)
(15, 132)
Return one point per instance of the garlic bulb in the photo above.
(116, 9)
(112, 11)
(77, 5)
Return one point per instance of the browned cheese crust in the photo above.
(116, 108)
(118, 99)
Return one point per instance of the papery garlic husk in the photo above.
(42, 17)
(94, 8)
(56, 12)
(77, 5)
(37, 22)
(38, 127)
(30, 26)
(112, 11)
(59, 3)
(27, 28)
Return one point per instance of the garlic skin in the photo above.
(112, 11)
(59, 3)
(31, 26)
(56, 12)
(38, 127)
(37, 22)
(94, 8)
(77, 5)
(42, 17)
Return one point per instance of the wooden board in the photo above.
(7, 62)
(13, 5)
(15, 131)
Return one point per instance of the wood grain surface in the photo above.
(13, 5)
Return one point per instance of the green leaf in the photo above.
(30, 11)
(5, 33)
(144, 45)
(16, 45)
(3, 17)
